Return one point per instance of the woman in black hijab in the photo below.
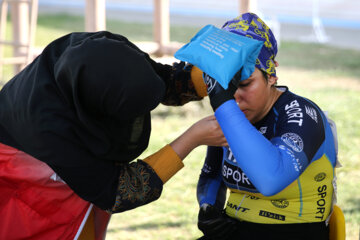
(83, 108)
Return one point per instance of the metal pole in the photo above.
(20, 25)
(95, 15)
(161, 26)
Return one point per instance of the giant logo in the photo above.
(237, 208)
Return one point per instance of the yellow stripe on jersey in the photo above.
(307, 199)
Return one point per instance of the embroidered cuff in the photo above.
(165, 162)
(197, 79)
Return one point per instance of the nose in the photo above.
(237, 95)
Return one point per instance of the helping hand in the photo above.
(207, 131)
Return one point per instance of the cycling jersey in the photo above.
(280, 170)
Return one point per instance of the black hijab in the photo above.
(81, 107)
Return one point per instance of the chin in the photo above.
(248, 117)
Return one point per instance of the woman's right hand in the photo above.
(206, 131)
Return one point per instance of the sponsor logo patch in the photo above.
(210, 83)
(319, 177)
(311, 112)
(262, 130)
(263, 213)
(237, 208)
(280, 203)
(294, 141)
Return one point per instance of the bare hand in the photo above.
(207, 131)
(204, 132)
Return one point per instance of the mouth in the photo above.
(243, 110)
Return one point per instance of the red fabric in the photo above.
(34, 204)
(101, 219)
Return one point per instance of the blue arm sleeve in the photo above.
(269, 166)
(210, 188)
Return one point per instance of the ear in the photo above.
(272, 80)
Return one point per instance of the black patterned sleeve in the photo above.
(180, 88)
(138, 185)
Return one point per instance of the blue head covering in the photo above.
(250, 25)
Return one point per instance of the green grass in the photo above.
(320, 58)
(327, 75)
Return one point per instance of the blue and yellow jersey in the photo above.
(286, 177)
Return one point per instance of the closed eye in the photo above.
(241, 85)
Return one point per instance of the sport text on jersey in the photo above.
(294, 113)
(233, 176)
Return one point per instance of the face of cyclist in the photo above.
(255, 95)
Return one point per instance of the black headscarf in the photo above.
(81, 106)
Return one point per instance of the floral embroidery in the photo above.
(181, 90)
(138, 185)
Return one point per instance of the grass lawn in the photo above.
(328, 76)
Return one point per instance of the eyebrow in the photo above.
(245, 82)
